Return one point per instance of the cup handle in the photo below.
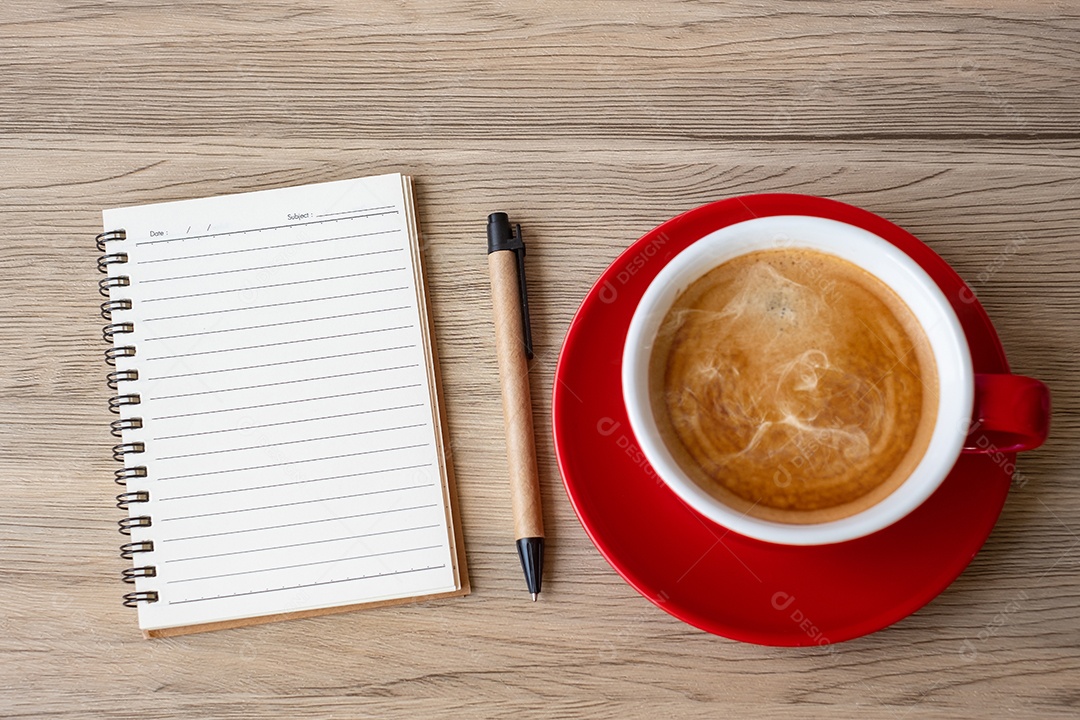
(1012, 413)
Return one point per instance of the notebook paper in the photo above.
(291, 433)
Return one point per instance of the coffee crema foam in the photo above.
(793, 386)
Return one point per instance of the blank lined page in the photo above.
(292, 442)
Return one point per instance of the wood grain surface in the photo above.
(590, 123)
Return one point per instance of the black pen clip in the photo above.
(503, 236)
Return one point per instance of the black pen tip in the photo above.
(531, 552)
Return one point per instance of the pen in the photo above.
(513, 345)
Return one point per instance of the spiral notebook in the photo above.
(280, 422)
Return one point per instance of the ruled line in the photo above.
(298, 502)
(285, 402)
(297, 587)
(284, 382)
(292, 462)
(263, 229)
(264, 287)
(273, 344)
(300, 565)
(291, 442)
(348, 212)
(287, 422)
(276, 247)
(283, 362)
(277, 324)
(297, 482)
(309, 261)
(304, 522)
(278, 304)
(302, 544)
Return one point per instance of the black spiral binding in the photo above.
(132, 599)
(112, 333)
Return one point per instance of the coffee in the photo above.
(793, 386)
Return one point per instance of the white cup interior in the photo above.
(873, 254)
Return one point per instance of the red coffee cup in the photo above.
(990, 414)
(1011, 414)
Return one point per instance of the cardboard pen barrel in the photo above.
(517, 403)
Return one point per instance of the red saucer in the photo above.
(701, 572)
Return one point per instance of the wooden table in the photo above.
(590, 122)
